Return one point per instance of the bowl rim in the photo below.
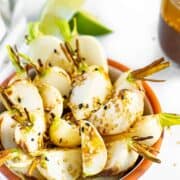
(143, 166)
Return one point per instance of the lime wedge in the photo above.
(88, 24)
(55, 17)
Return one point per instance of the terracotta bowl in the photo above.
(152, 105)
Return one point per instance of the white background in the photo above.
(135, 43)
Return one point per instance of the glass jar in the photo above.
(169, 28)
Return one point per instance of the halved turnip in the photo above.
(57, 78)
(91, 49)
(123, 153)
(152, 125)
(120, 157)
(91, 90)
(52, 101)
(20, 165)
(47, 49)
(7, 128)
(59, 164)
(119, 113)
(24, 95)
(57, 59)
(64, 133)
(94, 153)
(18, 162)
(30, 136)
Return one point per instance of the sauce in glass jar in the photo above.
(169, 28)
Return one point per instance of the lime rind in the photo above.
(88, 24)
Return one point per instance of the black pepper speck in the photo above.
(46, 158)
(60, 140)
(64, 96)
(105, 107)
(87, 124)
(80, 106)
(82, 129)
(19, 99)
(55, 51)
(52, 115)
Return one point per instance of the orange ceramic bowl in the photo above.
(153, 103)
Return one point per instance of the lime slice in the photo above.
(55, 17)
(88, 24)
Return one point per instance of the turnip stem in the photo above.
(141, 150)
(6, 155)
(13, 56)
(150, 69)
(135, 145)
(168, 119)
(33, 166)
(4, 100)
(29, 61)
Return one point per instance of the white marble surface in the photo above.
(3, 28)
(135, 43)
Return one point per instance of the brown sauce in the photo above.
(169, 29)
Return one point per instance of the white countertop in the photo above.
(135, 43)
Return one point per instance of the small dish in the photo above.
(152, 106)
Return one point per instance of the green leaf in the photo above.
(168, 119)
(28, 60)
(64, 29)
(33, 31)
(88, 24)
(15, 59)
